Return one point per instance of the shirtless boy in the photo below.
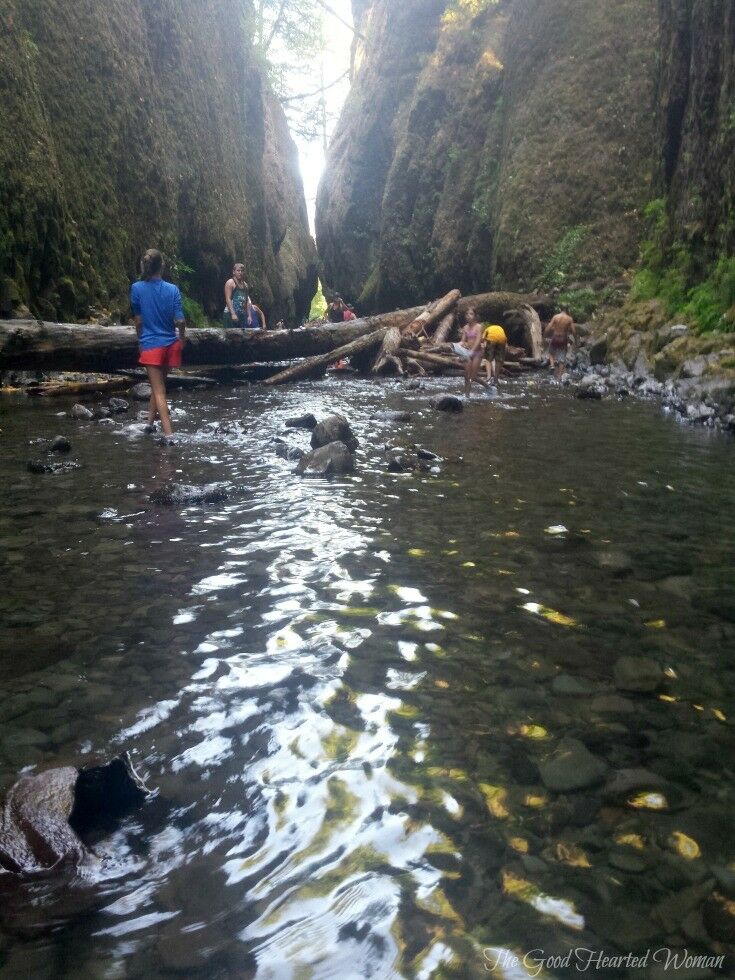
(560, 331)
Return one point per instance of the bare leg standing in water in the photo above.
(159, 315)
(496, 342)
(472, 371)
(159, 403)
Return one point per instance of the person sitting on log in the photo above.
(349, 314)
(336, 311)
(259, 321)
(471, 348)
(496, 344)
(560, 331)
(158, 311)
(238, 308)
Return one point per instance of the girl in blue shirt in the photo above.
(159, 314)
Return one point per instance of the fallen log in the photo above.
(413, 367)
(177, 379)
(492, 307)
(435, 360)
(514, 353)
(312, 364)
(388, 352)
(443, 332)
(58, 389)
(26, 345)
(533, 338)
(433, 314)
(409, 334)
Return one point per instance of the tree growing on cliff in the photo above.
(290, 37)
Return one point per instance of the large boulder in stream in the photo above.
(334, 428)
(329, 460)
(43, 815)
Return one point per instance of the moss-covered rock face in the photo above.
(697, 125)
(687, 257)
(490, 143)
(150, 127)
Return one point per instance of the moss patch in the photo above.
(125, 132)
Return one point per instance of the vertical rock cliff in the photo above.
(490, 143)
(697, 131)
(146, 122)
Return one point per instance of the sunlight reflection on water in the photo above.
(340, 694)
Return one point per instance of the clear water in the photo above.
(343, 689)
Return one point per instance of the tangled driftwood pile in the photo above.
(414, 341)
(421, 343)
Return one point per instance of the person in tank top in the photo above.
(238, 308)
(471, 348)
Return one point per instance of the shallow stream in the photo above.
(343, 690)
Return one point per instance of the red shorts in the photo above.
(163, 357)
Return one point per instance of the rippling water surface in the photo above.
(344, 689)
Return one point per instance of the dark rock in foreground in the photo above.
(307, 421)
(448, 403)
(335, 428)
(60, 445)
(591, 388)
(412, 459)
(182, 494)
(43, 815)
(329, 460)
(39, 466)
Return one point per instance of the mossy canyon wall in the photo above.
(142, 123)
(517, 143)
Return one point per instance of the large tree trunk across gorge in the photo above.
(28, 345)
